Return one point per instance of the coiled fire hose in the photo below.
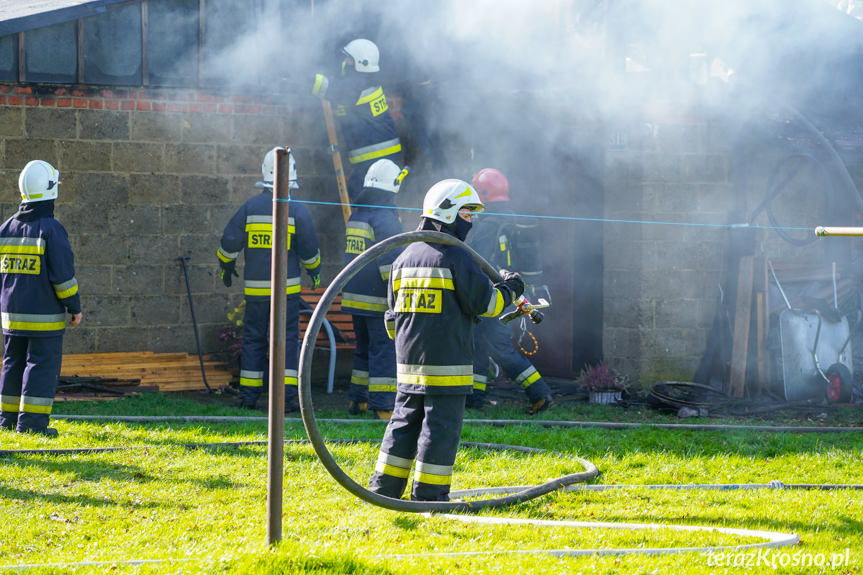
(308, 413)
(512, 494)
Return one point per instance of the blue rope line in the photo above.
(572, 218)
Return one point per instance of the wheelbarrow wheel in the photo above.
(838, 383)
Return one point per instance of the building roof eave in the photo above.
(23, 15)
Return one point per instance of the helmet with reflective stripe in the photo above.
(365, 55)
(268, 168)
(38, 182)
(444, 200)
(385, 175)
(491, 185)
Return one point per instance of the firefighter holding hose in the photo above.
(251, 230)
(435, 294)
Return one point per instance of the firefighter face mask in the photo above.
(463, 224)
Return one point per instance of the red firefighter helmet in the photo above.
(491, 185)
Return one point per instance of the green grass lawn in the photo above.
(204, 510)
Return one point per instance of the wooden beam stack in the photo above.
(168, 371)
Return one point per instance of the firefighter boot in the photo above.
(540, 405)
(357, 407)
(46, 431)
(475, 400)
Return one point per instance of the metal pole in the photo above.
(822, 231)
(278, 321)
(183, 260)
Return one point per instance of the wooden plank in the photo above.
(740, 341)
(761, 343)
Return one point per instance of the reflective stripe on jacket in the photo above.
(363, 112)
(435, 293)
(374, 220)
(251, 230)
(37, 273)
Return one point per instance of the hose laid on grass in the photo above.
(495, 422)
(521, 494)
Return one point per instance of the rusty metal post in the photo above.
(278, 321)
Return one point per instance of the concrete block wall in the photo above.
(678, 177)
(667, 183)
(151, 175)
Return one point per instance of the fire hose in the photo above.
(511, 494)
(308, 413)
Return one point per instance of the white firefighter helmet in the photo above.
(268, 168)
(365, 55)
(38, 182)
(385, 175)
(444, 200)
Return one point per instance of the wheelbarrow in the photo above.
(815, 353)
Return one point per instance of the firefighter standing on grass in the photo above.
(373, 379)
(506, 243)
(37, 289)
(251, 230)
(361, 106)
(435, 294)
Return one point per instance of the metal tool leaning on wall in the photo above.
(307, 408)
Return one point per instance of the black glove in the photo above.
(228, 269)
(512, 282)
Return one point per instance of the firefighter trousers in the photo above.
(28, 381)
(254, 366)
(425, 427)
(492, 338)
(373, 379)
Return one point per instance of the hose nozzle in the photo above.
(524, 307)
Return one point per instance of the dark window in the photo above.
(112, 46)
(52, 54)
(231, 50)
(9, 58)
(172, 42)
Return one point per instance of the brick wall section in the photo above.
(148, 176)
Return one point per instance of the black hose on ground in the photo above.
(307, 410)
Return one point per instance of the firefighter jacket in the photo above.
(374, 220)
(508, 242)
(361, 106)
(37, 273)
(435, 294)
(251, 229)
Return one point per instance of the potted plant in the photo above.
(602, 384)
(232, 335)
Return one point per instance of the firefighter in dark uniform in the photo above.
(510, 244)
(37, 289)
(361, 106)
(373, 379)
(251, 230)
(435, 294)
